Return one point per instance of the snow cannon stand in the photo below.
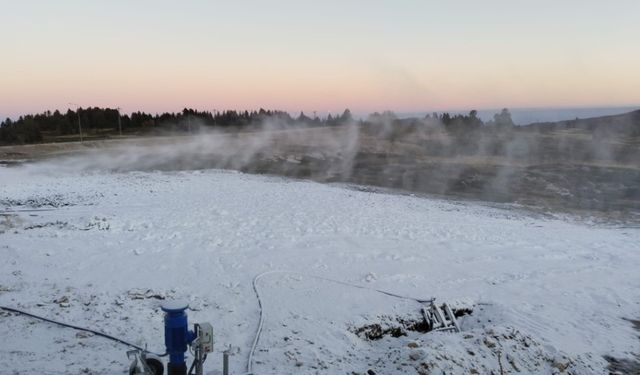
(177, 338)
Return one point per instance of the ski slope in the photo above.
(549, 293)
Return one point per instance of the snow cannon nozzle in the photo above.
(177, 338)
(177, 335)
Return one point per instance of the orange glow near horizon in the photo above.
(318, 57)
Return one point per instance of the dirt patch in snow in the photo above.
(394, 327)
(625, 365)
(408, 345)
(52, 201)
(495, 350)
(399, 326)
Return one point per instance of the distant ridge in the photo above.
(626, 124)
(527, 115)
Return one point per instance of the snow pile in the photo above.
(103, 250)
(484, 346)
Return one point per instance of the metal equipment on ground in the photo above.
(440, 317)
(178, 339)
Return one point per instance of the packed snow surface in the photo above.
(103, 250)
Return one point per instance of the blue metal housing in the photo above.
(177, 336)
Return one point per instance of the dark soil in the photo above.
(399, 326)
(625, 365)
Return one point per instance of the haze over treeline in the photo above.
(586, 164)
(104, 121)
(101, 122)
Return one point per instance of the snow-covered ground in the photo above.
(549, 294)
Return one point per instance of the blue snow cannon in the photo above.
(177, 336)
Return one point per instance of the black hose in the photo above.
(97, 333)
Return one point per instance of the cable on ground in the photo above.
(261, 305)
(97, 333)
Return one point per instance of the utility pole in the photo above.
(119, 122)
(79, 124)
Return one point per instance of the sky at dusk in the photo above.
(318, 55)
